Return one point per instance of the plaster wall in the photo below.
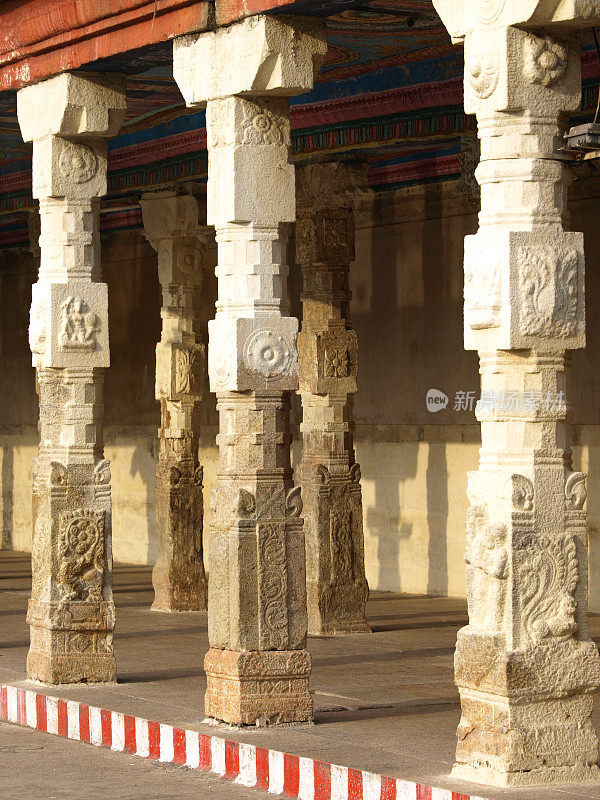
(407, 310)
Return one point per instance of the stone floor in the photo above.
(385, 702)
(34, 767)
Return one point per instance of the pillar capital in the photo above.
(80, 106)
(461, 17)
(509, 69)
(167, 215)
(261, 55)
(330, 185)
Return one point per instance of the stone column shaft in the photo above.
(337, 589)
(525, 665)
(257, 666)
(171, 226)
(71, 610)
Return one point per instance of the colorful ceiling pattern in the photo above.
(389, 95)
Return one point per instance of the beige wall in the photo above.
(407, 310)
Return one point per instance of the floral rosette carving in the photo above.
(81, 547)
(268, 354)
(78, 162)
(545, 59)
(264, 123)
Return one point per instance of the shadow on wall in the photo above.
(584, 388)
(435, 294)
(143, 460)
(8, 500)
(407, 285)
(18, 400)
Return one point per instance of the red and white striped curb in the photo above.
(245, 764)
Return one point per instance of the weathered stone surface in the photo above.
(270, 686)
(259, 56)
(525, 666)
(71, 611)
(257, 589)
(171, 226)
(337, 589)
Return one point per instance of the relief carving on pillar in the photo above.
(337, 358)
(483, 71)
(545, 59)
(336, 363)
(38, 314)
(293, 502)
(486, 556)
(269, 354)
(78, 325)
(548, 284)
(219, 131)
(77, 162)
(575, 491)
(335, 569)
(272, 586)
(547, 573)
(189, 370)
(266, 122)
(81, 555)
(483, 301)
(522, 493)
(102, 472)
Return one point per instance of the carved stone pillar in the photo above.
(337, 589)
(257, 665)
(71, 611)
(171, 227)
(525, 665)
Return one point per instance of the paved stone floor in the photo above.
(385, 702)
(34, 767)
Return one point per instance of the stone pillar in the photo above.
(257, 666)
(171, 227)
(337, 589)
(71, 611)
(525, 665)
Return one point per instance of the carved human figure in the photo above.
(78, 326)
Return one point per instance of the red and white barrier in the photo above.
(246, 764)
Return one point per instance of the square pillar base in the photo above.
(71, 643)
(577, 773)
(270, 685)
(526, 714)
(56, 668)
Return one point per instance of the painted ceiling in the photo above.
(389, 95)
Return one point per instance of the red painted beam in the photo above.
(40, 38)
(231, 10)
